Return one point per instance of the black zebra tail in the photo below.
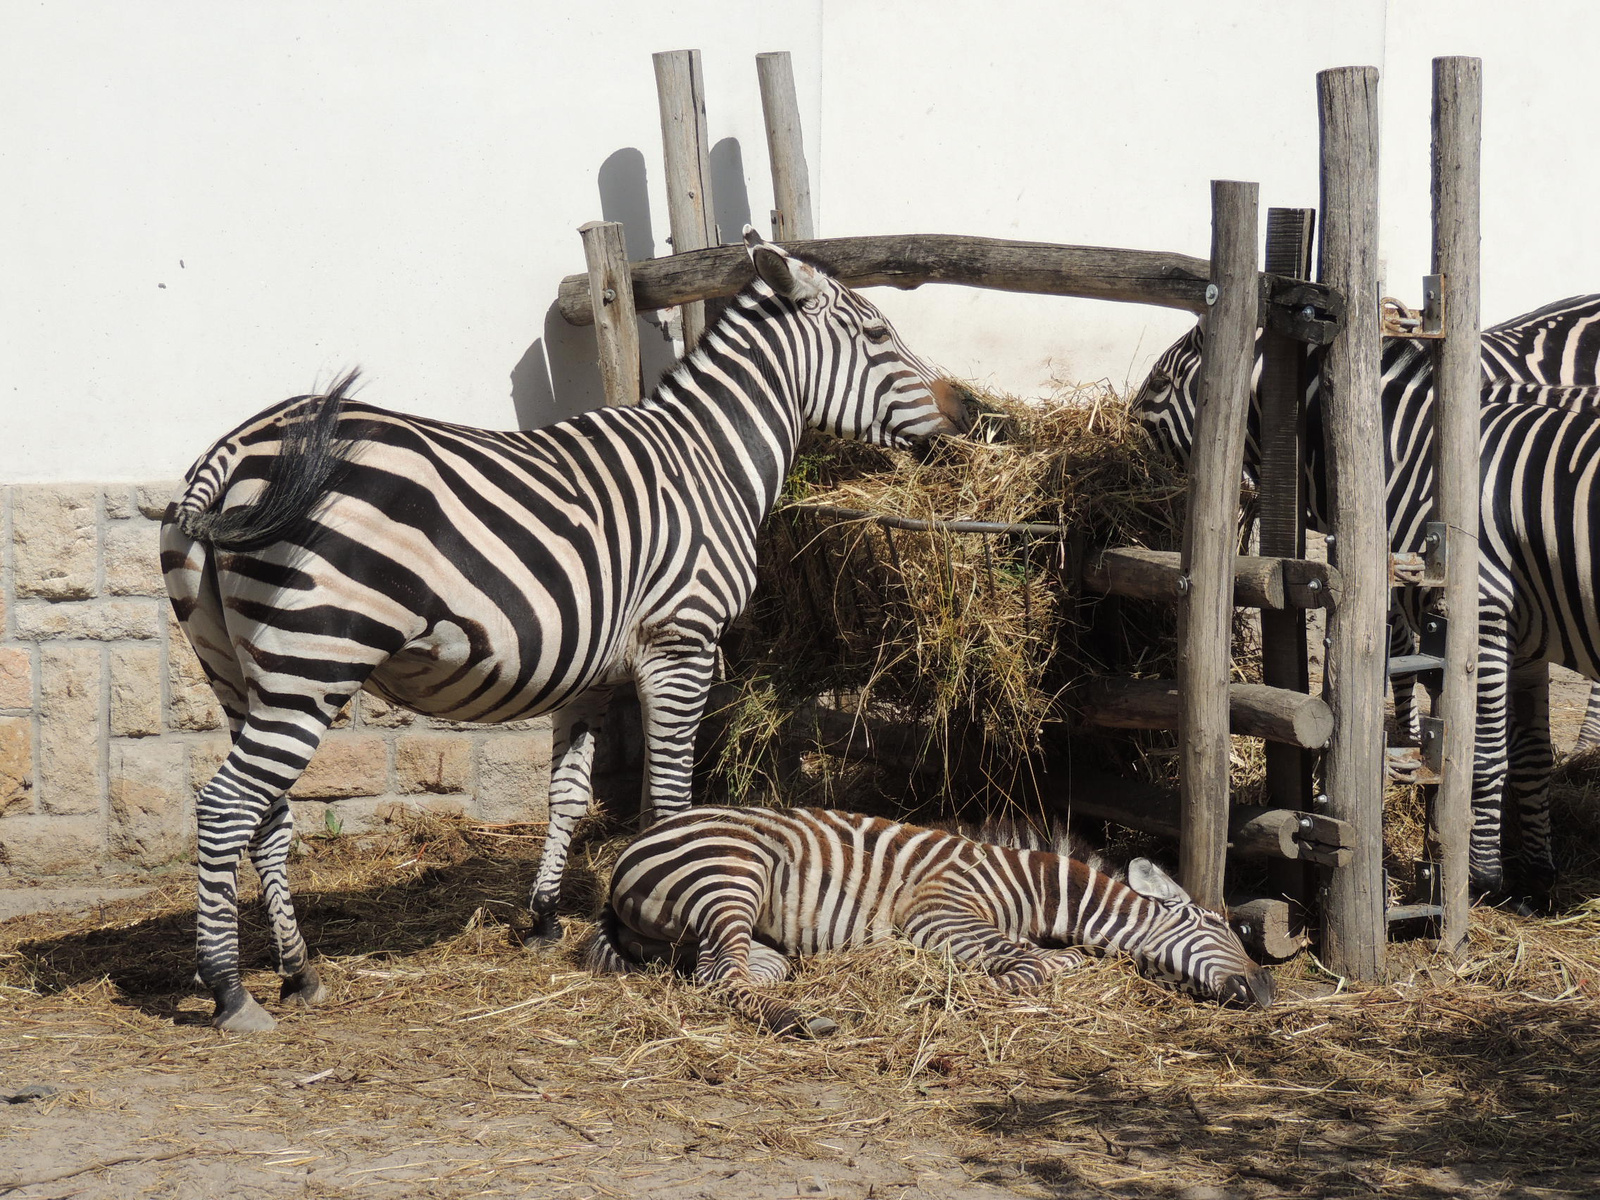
(309, 459)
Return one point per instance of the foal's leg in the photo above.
(967, 937)
(730, 959)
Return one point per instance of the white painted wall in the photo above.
(398, 185)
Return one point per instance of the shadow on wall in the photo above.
(558, 377)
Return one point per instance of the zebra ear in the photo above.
(784, 274)
(1153, 883)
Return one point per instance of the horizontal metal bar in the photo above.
(1414, 664)
(1414, 912)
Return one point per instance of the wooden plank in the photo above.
(616, 324)
(791, 181)
(1354, 932)
(913, 259)
(1205, 621)
(1266, 926)
(1253, 709)
(1457, 131)
(1271, 583)
(680, 91)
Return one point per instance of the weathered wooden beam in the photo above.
(1253, 709)
(1271, 583)
(686, 146)
(616, 325)
(912, 259)
(1205, 620)
(1355, 934)
(1457, 134)
(1266, 926)
(791, 181)
(1285, 833)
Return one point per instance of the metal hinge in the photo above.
(1305, 311)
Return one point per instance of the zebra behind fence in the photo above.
(1536, 590)
(736, 891)
(325, 546)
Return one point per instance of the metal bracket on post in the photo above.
(1425, 323)
(1433, 743)
(1296, 308)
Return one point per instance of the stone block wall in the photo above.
(108, 727)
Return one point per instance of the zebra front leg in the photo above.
(1530, 762)
(968, 937)
(731, 960)
(571, 793)
(269, 853)
(1589, 735)
(1486, 867)
(673, 678)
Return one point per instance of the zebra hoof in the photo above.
(819, 1027)
(304, 989)
(544, 935)
(243, 1015)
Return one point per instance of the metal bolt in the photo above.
(1183, 585)
(1244, 929)
(1306, 824)
(1211, 293)
(1320, 800)
(1314, 585)
(608, 295)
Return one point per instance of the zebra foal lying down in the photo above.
(735, 891)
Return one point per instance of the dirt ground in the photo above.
(452, 1063)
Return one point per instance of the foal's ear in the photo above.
(1153, 883)
(781, 271)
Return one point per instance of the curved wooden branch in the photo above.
(912, 259)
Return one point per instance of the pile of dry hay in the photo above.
(1103, 1080)
(975, 638)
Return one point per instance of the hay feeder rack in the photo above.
(1327, 846)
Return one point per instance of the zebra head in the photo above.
(1192, 948)
(866, 384)
(1169, 398)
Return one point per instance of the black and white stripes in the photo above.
(326, 545)
(736, 891)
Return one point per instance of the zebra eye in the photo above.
(876, 333)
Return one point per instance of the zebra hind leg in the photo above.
(1531, 761)
(269, 854)
(731, 961)
(571, 793)
(968, 937)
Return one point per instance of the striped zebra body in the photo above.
(1536, 577)
(737, 891)
(327, 546)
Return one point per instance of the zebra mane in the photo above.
(1053, 836)
(308, 460)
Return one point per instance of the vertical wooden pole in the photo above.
(1210, 541)
(791, 182)
(1282, 391)
(1355, 934)
(616, 325)
(680, 89)
(1457, 126)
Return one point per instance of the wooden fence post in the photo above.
(616, 325)
(680, 89)
(1355, 933)
(791, 182)
(1283, 526)
(1210, 542)
(1457, 126)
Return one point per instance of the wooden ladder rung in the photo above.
(1258, 582)
(1277, 714)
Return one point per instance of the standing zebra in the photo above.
(1536, 586)
(738, 890)
(325, 546)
